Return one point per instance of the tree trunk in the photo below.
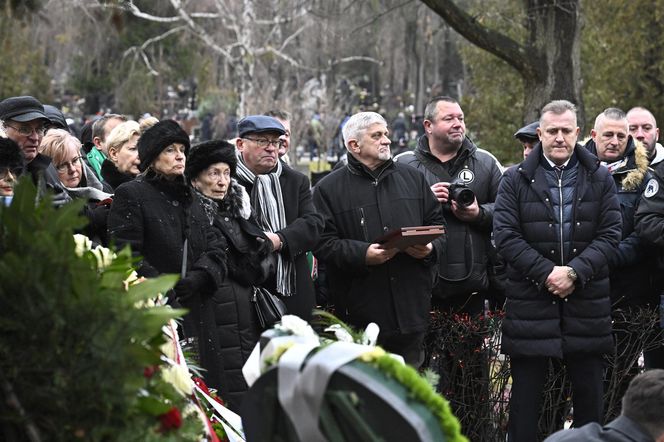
(548, 62)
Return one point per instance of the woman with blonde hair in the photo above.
(122, 162)
(79, 180)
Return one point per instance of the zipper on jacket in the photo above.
(363, 224)
(560, 205)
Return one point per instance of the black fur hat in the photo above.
(157, 138)
(11, 156)
(207, 153)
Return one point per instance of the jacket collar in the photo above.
(357, 168)
(467, 149)
(624, 425)
(583, 156)
(635, 168)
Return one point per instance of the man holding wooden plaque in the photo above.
(373, 210)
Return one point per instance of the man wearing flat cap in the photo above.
(281, 198)
(527, 135)
(24, 121)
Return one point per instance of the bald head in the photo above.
(643, 127)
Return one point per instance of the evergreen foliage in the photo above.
(73, 343)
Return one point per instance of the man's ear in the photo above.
(97, 142)
(593, 134)
(354, 146)
(239, 144)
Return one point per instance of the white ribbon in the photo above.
(301, 392)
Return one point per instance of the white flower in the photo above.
(370, 335)
(340, 332)
(180, 378)
(104, 256)
(82, 244)
(295, 325)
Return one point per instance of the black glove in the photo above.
(190, 285)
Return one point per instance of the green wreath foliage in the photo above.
(73, 343)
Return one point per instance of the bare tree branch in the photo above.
(492, 41)
(140, 50)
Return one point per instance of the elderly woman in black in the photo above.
(210, 169)
(164, 222)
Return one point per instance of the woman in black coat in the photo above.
(165, 223)
(209, 170)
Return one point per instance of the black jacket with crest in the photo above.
(632, 266)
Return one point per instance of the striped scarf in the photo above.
(268, 203)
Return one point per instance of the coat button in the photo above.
(546, 199)
(225, 218)
(532, 181)
(175, 203)
(578, 223)
(553, 251)
(385, 229)
(550, 225)
(574, 251)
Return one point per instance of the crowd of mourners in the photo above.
(562, 242)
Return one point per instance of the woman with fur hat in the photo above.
(211, 171)
(165, 223)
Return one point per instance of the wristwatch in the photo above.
(571, 273)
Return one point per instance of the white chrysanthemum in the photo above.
(296, 326)
(370, 335)
(180, 378)
(340, 333)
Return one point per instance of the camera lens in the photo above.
(464, 197)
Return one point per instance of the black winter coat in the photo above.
(538, 323)
(463, 267)
(248, 264)
(154, 216)
(301, 235)
(358, 209)
(631, 268)
(112, 176)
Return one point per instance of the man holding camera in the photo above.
(464, 179)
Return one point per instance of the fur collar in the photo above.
(236, 203)
(635, 176)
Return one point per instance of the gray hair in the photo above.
(610, 113)
(358, 123)
(558, 107)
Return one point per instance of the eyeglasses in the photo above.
(26, 131)
(264, 142)
(65, 166)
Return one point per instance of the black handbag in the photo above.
(269, 308)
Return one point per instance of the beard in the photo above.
(384, 156)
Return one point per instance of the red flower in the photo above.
(150, 370)
(171, 420)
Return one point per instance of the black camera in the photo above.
(461, 193)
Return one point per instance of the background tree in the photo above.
(548, 58)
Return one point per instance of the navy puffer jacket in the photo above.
(527, 233)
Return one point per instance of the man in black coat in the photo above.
(632, 267)
(281, 198)
(642, 418)
(445, 155)
(556, 223)
(369, 197)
